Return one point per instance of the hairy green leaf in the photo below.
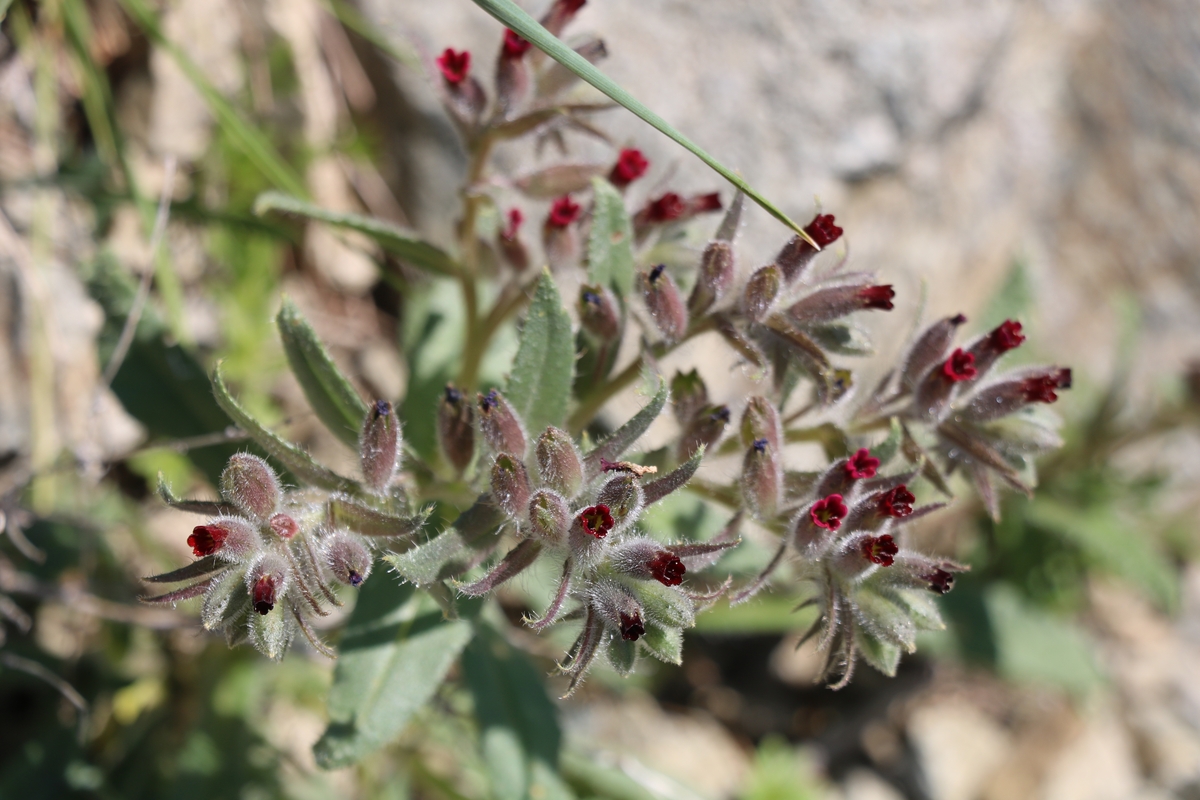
(624, 437)
(396, 650)
(610, 243)
(396, 240)
(455, 550)
(371, 522)
(539, 387)
(512, 16)
(328, 391)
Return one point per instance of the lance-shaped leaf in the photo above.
(557, 180)
(186, 593)
(371, 522)
(518, 725)
(886, 450)
(539, 387)
(513, 564)
(624, 437)
(980, 450)
(455, 550)
(298, 462)
(675, 479)
(665, 644)
(328, 391)
(556, 603)
(208, 508)
(196, 569)
(396, 240)
(395, 652)
(610, 242)
(512, 16)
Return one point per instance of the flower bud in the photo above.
(267, 581)
(937, 386)
(714, 278)
(559, 465)
(688, 395)
(793, 260)
(861, 465)
(502, 430)
(348, 558)
(598, 313)
(561, 13)
(762, 479)
(1007, 396)
(560, 237)
(619, 608)
(987, 349)
(760, 420)
(250, 484)
(705, 429)
(929, 349)
(512, 73)
(664, 303)
(231, 538)
(511, 246)
(510, 486)
(283, 525)
(549, 517)
(761, 291)
(835, 302)
(379, 446)
(463, 93)
(623, 497)
(456, 428)
(630, 166)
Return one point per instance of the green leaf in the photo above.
(1035, 647)
(886, 450)
(244, 135)
(846, 340)
(540, 385)
(298, 462)
(622, 655)
(624, 437)
(1105, 539)
(518, 722)
(372, 522)
(665, 644)
(453, 551)
(513, 17)
(328, 391)
(396, 240)
(396, 651)
(610, 243)
(878, 652)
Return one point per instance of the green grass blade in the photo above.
(512, 16)
(396, 240)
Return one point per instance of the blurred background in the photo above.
(1037, 159)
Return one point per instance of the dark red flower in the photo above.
(822, 230)
(631, 627)
(283, 525)
(455, 65)
(880, 550)
(862, 464)
(563, 212)
(515, 218)
(596, 521)
(1040, 388)
(666, 208)
(207, 539)
(264, 594)
(514, 45)
(897, 502)
(705, 202)
(939, 581)
(667, 568)
(1006, 336)
(630, 166)
(829, 512)
(960, 366)
(572, 5)
(877, 297)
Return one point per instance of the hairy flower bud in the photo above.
(646, 559)
(988, 348)
(559, 465)
(267, 580)
(251, 485)
(619, 609)
(761, 291)
(560, 237)
(688, 395)
(797, 254)
(705, 430)
(379, 446)
(509, 240)
(512, 72)
(835, 302)
(283, 525)
(510, 486)
(549, 517)
(760, 420)
(623, 496)
(714, 278)
(1007, 396)
(561, 13)
(456, 428)
(929, 349)
(630, 166)
(664, 303)
(762, 479)
(463, 93)
(348, 558)
(502, 430)
(231, 538)
(598, 314)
